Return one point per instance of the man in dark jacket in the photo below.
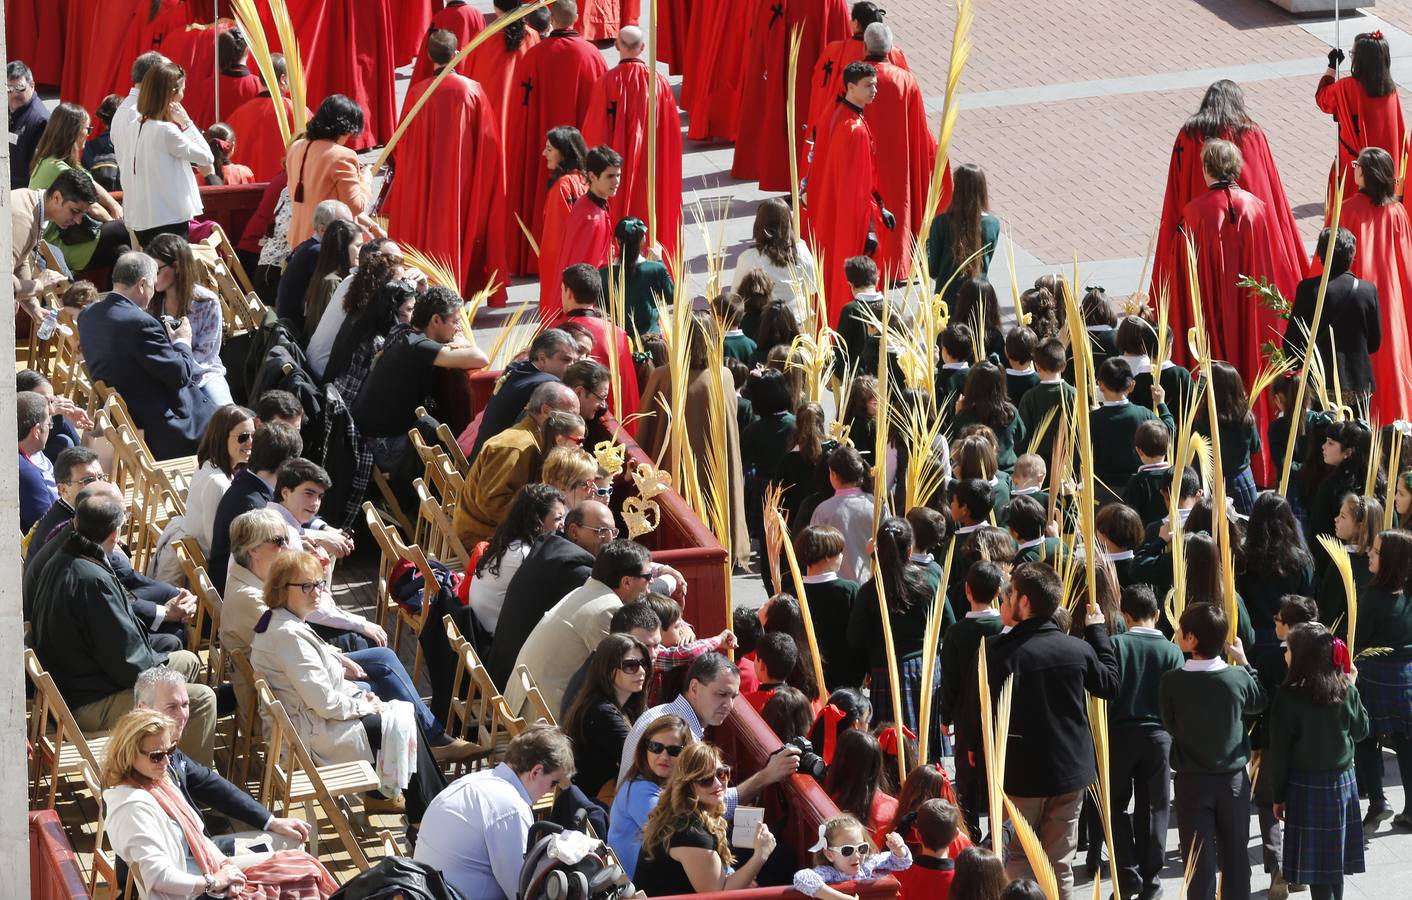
(148, 364)
(1349, 320)
(28, 118)
(87, 637)
(253, 487)
(550, 354)
(1049, 757)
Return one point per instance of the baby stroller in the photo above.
(565, 864)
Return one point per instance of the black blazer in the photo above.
(508, 402)
(144, 594)
(1351, 316)
(203, 787)
(554, 567)
(130, 351)
(247, 491)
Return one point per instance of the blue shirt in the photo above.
(37, 489)
(475, 832)
(632, 805)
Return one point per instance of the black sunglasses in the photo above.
(723, 775)
(244, 437)
(672, 750)
(633, 665)
(158, 756)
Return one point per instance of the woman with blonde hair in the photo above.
(685, 846)
(60, 148)
(161, 191)
(573, 471)
(153, 827)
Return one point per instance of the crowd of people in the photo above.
(1240, 674)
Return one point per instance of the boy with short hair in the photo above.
(1119, 534)
(859, 340)
(971, 500)
(1205, 705)
(929, 529)
(932, 868)
(729, 309)
(679, 649)
(1028, 521)
(1051, 393)
(1154, 476)
(958, 353)
(745, 625)
(1020, 374)
(776, 656)
(1114, 425)
(819, 551)
(1139, 747)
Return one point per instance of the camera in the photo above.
(810, 763)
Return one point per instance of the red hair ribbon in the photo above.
(831, 716)
(1342, 661)
(887, 738)
(947, 792)
(1375, 35)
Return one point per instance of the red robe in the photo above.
(413, 22)
(347, 48)
(102, 68)
(164, 33)
(599, 20)
(1384, 257)
(77, 39)
(674, 21)
(257, 136)
(587, 238)
(1260, 177)
(237, 87)
(1363, 122)
(906, 157)
(617, 116)
(603, 331)
(842, 181)
(552, 88)
(828, 77)
(711, 75)
(24, 34)
(762, 131)
(494, 68)
(453, 212)
(563, 194)
(462, 20)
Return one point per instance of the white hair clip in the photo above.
(822, 843)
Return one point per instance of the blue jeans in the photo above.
(388, 678)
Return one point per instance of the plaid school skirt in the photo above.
(911, 690)
(1242, 491)
(1323, 827)
(1385, 685)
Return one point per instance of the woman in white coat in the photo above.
(161, 195)
(160, 836)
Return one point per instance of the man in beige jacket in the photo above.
(64, 204)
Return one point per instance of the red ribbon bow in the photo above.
(887, 738)
(1375, 35)
(1342, 661)
(831, 716)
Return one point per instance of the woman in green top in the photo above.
(984, 401)
(965, 233)
(60, 148)
(1314, 722)
(1276, 563)
(643, 282)
(1385, 677)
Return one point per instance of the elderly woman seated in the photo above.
(339, 702)
(158, 833)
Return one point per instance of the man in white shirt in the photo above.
(125, 119)
(474, 832)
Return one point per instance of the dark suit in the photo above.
(131, 352)
(508, 402)
(1351, 315)
(554, 567)
(247, 491)
(294, 283)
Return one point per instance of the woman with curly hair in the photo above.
(379, 261)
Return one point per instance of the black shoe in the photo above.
(1402, 820)
(1377, 814)
(225, 700)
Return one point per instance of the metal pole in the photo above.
(216, 57)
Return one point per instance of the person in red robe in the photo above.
(1383, 230)
(564, 154)
(257, 128)
(495, 64)
(710, 88)
(583, 302)
(828, 71)
(103, 68)
(762, 126)
(905, 158)
(1365, 104)
(347, 48)
(1222, 115)
(674, 21)
(588, 230)
(236, 83)
(600, 20)
(413, 23)
(552, 88)
(461, 19)
(845, 206)
(452, 212)
(617, 117)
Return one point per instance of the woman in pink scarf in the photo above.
(161, 837)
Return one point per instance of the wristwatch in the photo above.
(210, 884)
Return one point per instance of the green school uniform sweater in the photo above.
(950, 381)
(960, 647)
(1143, 658)
(1262, 591)
(1049, 550)
(1309, 737)
(1034, 408)
(738, 345)
(765, 442)
(1384, 620)
(1018, 383)
(1238, 444)
(1206, 713)
(1144, 492)
(1113, 427)
(1009, 438)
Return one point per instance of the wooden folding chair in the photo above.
(453, 449)
(389, 497)
(536, 708)
(204, 634)
(190, 556)
(381, 532)
(62, 751)
(434, 533)
(470, 716)
(104, 858)
(292, 777)
(248, 722)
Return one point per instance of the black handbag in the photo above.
(81, 232)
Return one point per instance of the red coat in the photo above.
(617, 116)
(462, 20)
(558, 203)
(828, 77)
(409, 36)
(494, 67)
(674, 22)
(603, 331)
(101, 67)
(762, 131)
(710, 87)
(552, 88)
(1260, 177)
(600, 20)
(842, 181)
(905, 161)
(587, 238)
(347, 48)
(455, 212)
(1363, 122)
(257, 139)
(1384, 257)
(237, 86)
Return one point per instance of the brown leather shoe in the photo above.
(377, 804)
(454, 750)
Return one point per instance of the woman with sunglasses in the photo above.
(685, 847)
(657, 753)
(336, 701)
(611, 697)
(572, 470)
(60, 148)
(224, 448)
(153, 827)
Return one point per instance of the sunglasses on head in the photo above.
(722, 775)
(672, 750)
(160, 756)
(848, 850)
(633, 665)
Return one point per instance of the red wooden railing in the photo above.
(54, 872)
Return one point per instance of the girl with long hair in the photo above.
(962, 239)
(927, 783)
(1240, 439)
(536, 510)
(1364, 102)
(848, 710)
(180, 295)
(980, 875)
(1100, 323)
(338, 254)
(611, 697)
(643, 281)
(778, 328)
(379, 262)
(1205, 584)
(778, 252)
(804, 469)
(977, 306)
(1357, 525)
(1338, 466)
(564, 155)
(364, 335)
(1385, 678)
(223, 450)
(854, 783)
(60, 148)
(984, 401)
(781, 613)
(1277, 562)
(1402, 500)
(160, 188)
(656, 755)
(1315, 720)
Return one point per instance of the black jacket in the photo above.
(507, 404)
(247, 491)
(554, 567)
(1351, 315)
(1050, 751)
(204, 788)
(145, 593)
(83, 628)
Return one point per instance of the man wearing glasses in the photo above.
(28, 116)
(549, 356)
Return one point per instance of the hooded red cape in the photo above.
(552, 88)
(762, 129)
(257, 140)
(599, 20)
(494, 68)
(452, 211)
(1363, 122)
(828, 77)
(563, 194)
(617, 116)
(1258, 176)
(462, 20)
(711, 74)
(842, 180)
(1384, 257)
(587, 238)
(347, 48)
(237, 87)
(34, 32)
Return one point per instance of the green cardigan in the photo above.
(1034, 408)
(1009, 438)
(941, 258)
(1113, 429)
(1308, 737)
(640, 293)
(1384, 621)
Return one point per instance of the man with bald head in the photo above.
(617, 118)
(506, 463)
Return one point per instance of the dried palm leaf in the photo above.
(1338, 555)
(529, 235)
(1375, 458)
(1394, 463)
(796, 38)
(438, 270)
(798, 578)
(293, 65)
(1103, 789)
(894, 673)
(248, 18)
(930, 642)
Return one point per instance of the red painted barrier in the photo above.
(54, 872)
(229, 206)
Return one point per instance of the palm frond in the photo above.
(1338, 555)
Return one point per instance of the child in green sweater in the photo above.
(1113, 427)
(1385, 624)
(983, 402)
(819, 550)
(1204, 706)
(1240, 439)
(1027, 522)
(1051, 394)
(1119, 534)
(1315, 720)
(1020, 374)
(957, 355)
(1153, 477)
(1357, 525)
(1139, 746)
(729, 310)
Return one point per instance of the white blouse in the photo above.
(208, 486)
(792, 283)
(159, 186)
(488, 591)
